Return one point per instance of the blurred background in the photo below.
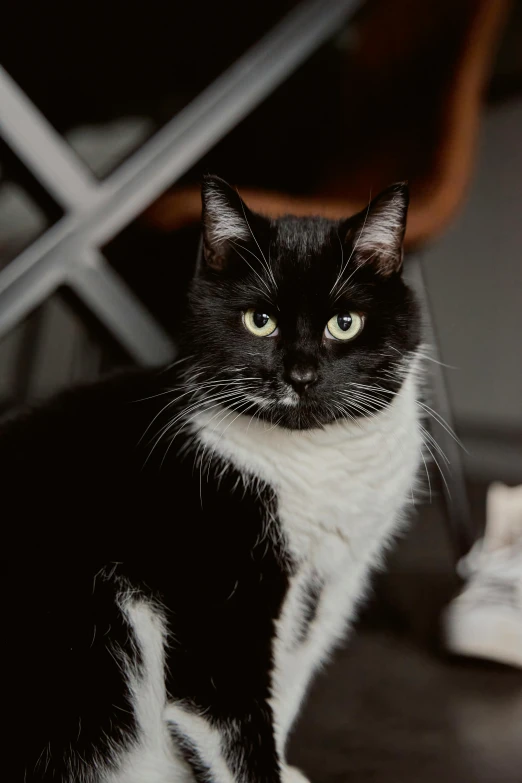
(109, 115)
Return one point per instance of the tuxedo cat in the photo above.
(182, 549)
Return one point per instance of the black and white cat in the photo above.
(181, 550)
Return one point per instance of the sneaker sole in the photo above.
(493, 635)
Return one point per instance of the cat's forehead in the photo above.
(302, 237)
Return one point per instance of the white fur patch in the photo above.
(291, 398)
(206, 740)
(152, 758)
(340, 494)
(223, 222)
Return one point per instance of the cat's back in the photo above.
(85, 462)
(83, 415)
(109, 472)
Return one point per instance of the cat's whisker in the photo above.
(427, 358)
(349, 414)
(260, 278)
(372, 403)
(396, 444)
(207, 385)
(342, 264)
(339, 276)
(380, 396)
(202, 448)
(418, 352)
(443, 423)
(198, 407)
(276, 422)
(176, 362)
(271, 278)
(172, 439)
(346, 282)
(367, 405)
(357, 406)
(223, 395)
(195, 410)
(220, 422)
(434, 458)
(361, 408)
(256, 415)
(165, 407)
(434, 443)
(268, 268)
(430, 412)
(154, 396)
(427, 472)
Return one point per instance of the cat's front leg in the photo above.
(236, 747)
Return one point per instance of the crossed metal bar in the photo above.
(69, 253)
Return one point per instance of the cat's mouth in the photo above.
(293, 410)
(280, 404)
(280, 397)
(305, 415)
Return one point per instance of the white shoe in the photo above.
(485, 620)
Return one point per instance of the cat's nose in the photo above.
(301, 377)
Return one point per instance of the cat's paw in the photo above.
(293, 775)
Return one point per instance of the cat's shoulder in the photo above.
(110, 390)
(120, 402)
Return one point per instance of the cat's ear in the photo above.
(376, 233)
(225, 221)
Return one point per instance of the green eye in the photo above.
(344, 326)
(259, 323)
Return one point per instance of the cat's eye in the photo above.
(344, 326)
(260, 323)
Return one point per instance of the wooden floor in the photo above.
(392, 707)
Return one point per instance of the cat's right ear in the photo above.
(376, 234)
(224, 220)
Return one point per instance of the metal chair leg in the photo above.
(461, 527)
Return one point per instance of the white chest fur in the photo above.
(340, 493)
(342, 483)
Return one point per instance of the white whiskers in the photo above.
(197, 396)
(333, 289)
(266, 264)
(369, 399)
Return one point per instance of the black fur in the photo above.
(305, 256)
(80, 500)
(95, 498)
(188, 751)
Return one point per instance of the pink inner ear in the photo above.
(215, 256)
(379, 238)
(223, 221)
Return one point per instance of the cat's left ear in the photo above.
(225, 219)
(376, 234)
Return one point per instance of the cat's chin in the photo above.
(298, 417)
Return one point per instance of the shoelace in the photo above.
(494, 577)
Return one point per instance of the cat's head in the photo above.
(300, 321)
